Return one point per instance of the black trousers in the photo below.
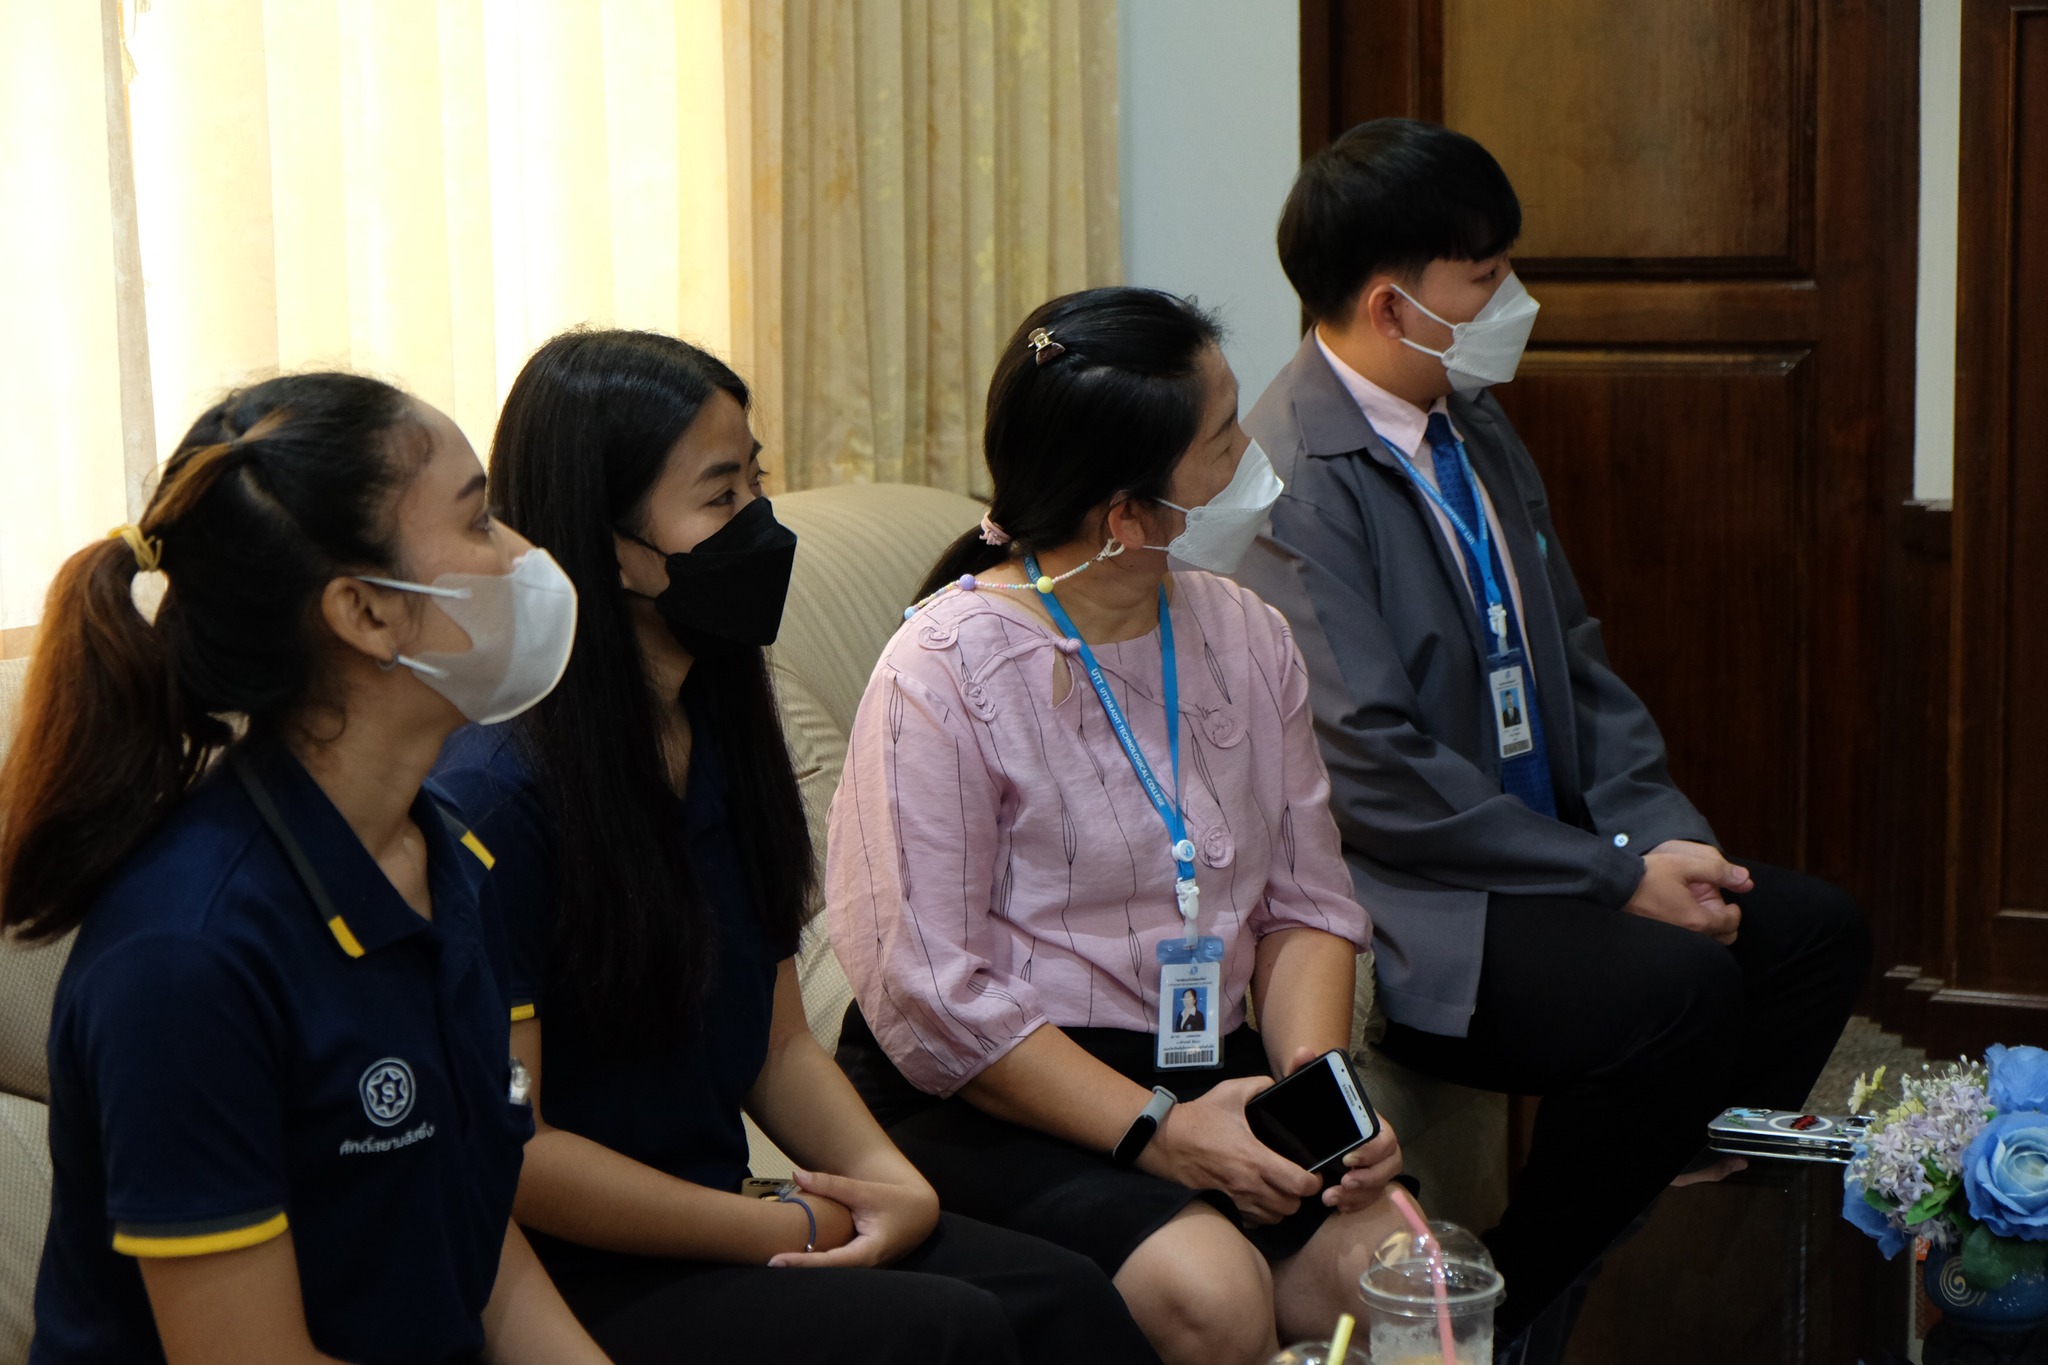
(1635, 1033)
(971, 1295)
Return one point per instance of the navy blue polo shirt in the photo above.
(675, 1109)
(227, 1063)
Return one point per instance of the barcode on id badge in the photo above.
(1189, 1056)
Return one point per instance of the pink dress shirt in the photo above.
(994, 864)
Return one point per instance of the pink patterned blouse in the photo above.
(994, 863)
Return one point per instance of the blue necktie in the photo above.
(1527, 775)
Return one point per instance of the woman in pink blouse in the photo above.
(1002, 876)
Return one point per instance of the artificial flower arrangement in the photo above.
(1959, 1156)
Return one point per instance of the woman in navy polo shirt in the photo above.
(284, 1120)
(654, 870)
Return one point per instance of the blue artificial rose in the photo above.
(2005, 1173)
(2018, 1079)
(1869, 1220)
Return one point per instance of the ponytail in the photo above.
(100, 748)
(271, 493)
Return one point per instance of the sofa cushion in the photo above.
(13, 675)
(862, 550)
(818, 752)
(24, 1213)
(28, 984)
(28, 976)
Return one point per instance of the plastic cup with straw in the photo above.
(1336, 1352)
(1412, 1215)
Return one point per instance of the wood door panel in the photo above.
(1728, 313)
(1638, 449)
(1626, 158)
(2001, 911)
(2016, 950)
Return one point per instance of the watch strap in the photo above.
(1139, 1135)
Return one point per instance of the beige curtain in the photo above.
(63, 470)
(422, 190)
(918, 175)
(855, 201)
(419, 190)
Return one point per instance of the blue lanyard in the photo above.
(1170, 812)
(1481, 545)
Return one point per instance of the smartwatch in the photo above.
(1135, 1137)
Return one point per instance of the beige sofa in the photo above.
(27, 978)
(861, 553)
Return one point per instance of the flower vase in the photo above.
(2021, 1304)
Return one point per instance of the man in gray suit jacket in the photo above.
(1551, 915)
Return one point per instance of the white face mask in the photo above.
(1220, 531)
(1487, 349)
(521, 627)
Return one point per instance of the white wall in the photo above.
(1211, 135)
(1934, 363)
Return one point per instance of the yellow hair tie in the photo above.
(149, 551)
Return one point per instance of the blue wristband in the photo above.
(788, 1195)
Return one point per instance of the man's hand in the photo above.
(1682, 885)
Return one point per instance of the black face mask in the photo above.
(727, 595)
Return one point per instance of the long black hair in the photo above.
(584, 435)
(275, 490)
(1108, 414)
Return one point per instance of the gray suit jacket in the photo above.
(1354, 559)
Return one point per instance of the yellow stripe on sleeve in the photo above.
(522, 1012)
(200, 1244)
(344, 936)
(476, 846)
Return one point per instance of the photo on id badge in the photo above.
(1511, 712)
(1190, 979)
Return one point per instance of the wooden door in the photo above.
(1717, 200)
(1984, 974)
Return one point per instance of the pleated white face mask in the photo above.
(1220, 530)
(521, 627)
(1488, 349)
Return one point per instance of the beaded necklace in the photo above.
(1042, 585)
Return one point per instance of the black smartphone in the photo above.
(1316, 1115)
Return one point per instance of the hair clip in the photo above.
(1043, 347)
(992, 534)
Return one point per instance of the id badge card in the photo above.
(1508, 684)
(1190, 1004)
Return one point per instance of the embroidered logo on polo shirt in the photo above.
(368, 1145)
(387, 1090)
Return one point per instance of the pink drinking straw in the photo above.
(1406, 1204)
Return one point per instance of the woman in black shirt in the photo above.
(653, 872)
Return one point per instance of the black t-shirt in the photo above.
(675, 1109)
(228, 1062)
